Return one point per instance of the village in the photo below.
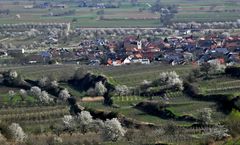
(173, 50)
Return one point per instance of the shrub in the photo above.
(170, 128)
(57, 140)
(190, 89)
(11, 94)
(2, 140)
(206, 68)
(4, 128)
(218, 133)
(91, 92)
(80, 73)
(97, 125)
(54, 140)
(233, 123)
(193, 75)
(233, 71)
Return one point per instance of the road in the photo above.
(126, 28)
(4, 39)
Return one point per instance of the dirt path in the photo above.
(92, 99)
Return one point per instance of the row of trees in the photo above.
(105, 33)
(21, 34)
(22, 26)
(207, 25)
(42, 96)
(110, 129)
(43, 36)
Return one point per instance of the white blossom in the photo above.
(54, 84)
(13, 74)
(122, 90)
(68, 121)
(11, 93)
(113, 130)
(36, 91)
(43, 82)
(171, 79)
(205, 116)
(219, 132)
(84, 118)
(17, 132)
(23, 93)
(100, 89)
(44, 97)
(64, 94)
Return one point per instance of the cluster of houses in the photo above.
(81, 3)
(99, 5)
(45, 5)
(174, 50)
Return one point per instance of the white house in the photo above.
(128, 60)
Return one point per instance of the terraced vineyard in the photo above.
(173, 105)
(220, 86)
(34, 117)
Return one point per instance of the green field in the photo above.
(130, 75)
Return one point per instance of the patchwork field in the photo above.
(125, 16)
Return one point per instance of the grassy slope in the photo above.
(128, 75)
